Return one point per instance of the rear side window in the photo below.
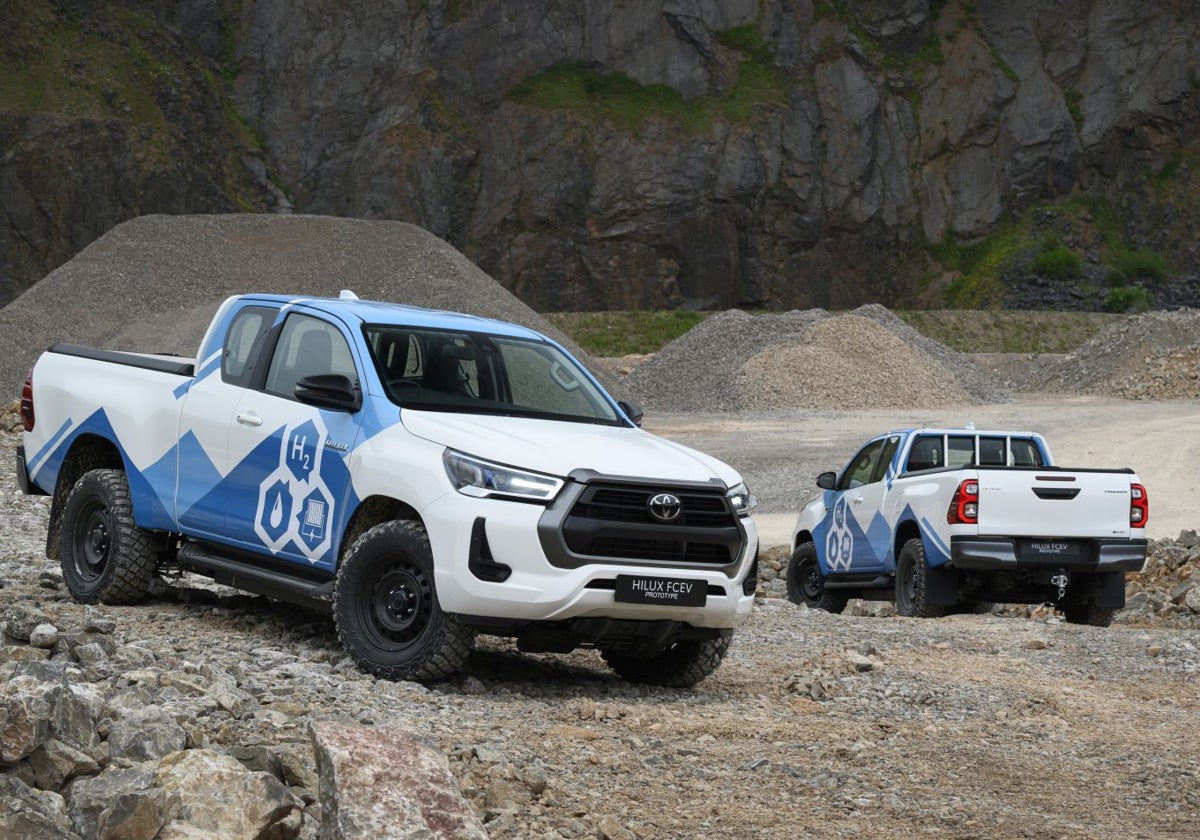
(933, 451)
(243, 343)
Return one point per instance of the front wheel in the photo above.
(912, 583)
(386, 608)
(678, 665)
(105, 556)
(806, 584)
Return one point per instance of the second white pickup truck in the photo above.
(948, 519)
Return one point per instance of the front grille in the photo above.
(613, 521)
(666, 550)
(628, 504)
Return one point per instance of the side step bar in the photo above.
(254, 575)
(859, 582)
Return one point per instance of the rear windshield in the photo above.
(478, 373)
(938, 451)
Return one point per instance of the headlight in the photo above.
(742, 500)
(475, 477)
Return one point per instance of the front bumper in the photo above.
(534, 588)
(1007, 553)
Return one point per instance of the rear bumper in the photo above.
(27, 486)
(1003, 553)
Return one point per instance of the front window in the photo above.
(432, 370)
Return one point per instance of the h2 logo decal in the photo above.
(293, 502)
(839, 543)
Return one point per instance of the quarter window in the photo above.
(243, 343)
(862, 466)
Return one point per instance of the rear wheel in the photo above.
(386, 607)
(106, 558)
(912, 579)
(678, 665)
(806, 584)
(1088, 613)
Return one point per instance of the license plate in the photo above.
(675, 592)
(1059, 549)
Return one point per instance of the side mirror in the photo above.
(826, 480)
(633, 412)
(329, 390)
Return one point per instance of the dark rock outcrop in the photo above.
(675, 153)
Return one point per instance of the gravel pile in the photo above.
(153, 283)
(867, 358)
(849, 362)
(1116, 360)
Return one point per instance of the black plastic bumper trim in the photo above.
(1000, 553)
(27, 486)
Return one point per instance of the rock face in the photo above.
(615, 155)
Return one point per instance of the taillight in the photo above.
(1139, 506)
(27, 402)
(964, 507)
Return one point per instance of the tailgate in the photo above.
(1054, 503)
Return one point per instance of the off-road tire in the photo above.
(911, 583)
(1088, 613)
(386, 607)
(806, 584)
(105, 557)
(678, 665)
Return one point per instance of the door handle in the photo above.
(248, 418)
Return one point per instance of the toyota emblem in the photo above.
(665, 507)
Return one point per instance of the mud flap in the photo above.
(1107, 590)
(941, 585)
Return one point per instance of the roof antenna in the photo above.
(346, 294)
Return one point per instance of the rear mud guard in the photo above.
(941, 585)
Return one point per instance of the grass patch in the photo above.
(1140, 263)
(611, 97)
(1127, 299)
(625, 333)
(627, 104)
(979, 263)
(974, 331)
(1074, 101)
(1058, 264)
(622, 333)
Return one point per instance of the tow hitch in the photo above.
(1061, 580)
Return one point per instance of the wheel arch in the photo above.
(905, 531)
(801, 538)
(88, 452)
(370, 512)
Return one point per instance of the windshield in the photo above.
(433, 370)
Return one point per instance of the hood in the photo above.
(557, 447)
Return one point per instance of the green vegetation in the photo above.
(1074, 101)
(975, 331)
(627, 104)
(1127, 299)
(980, 263)
(1058, 264)
(623, 333)
(1140, 263)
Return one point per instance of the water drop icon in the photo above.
(277, 512)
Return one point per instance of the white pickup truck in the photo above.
(426, 475)
(949, 519)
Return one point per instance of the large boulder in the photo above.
(387, 784)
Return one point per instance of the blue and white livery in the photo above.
(425, 474)
(943, 519)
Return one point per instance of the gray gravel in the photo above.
(152, 284)
(736, 362)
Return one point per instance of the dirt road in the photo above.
(781, 453)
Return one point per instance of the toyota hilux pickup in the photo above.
(424, 475)
(953, 519)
